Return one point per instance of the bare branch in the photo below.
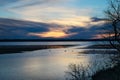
(113, 14)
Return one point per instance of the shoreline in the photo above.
(9, 49)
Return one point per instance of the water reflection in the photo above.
(49, 64)
(45, 43)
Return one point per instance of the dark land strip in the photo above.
(6, 49)
(52, 40)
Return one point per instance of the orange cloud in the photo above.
(74, 21)
(54, 33)
(100, 36)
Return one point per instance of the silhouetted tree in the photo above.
(113, 16)
(77, 72)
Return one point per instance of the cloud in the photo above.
(7, 2)
(28, 3)
(33, 30)
(62, 17)
(103, 36)
(51, 11)
(58, 15)
(62, 12)
(10, 28)
(55, 32)
(26, 29)
(52, 34)
(96, 19)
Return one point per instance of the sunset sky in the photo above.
(67, 14)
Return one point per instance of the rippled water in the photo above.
(48, 64)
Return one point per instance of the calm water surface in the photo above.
(48, 64)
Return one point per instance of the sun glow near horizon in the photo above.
(52, 34)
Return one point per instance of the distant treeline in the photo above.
(51, 40)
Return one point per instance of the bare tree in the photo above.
(113, 16)
(77, 72)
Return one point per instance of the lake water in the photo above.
(49, 64)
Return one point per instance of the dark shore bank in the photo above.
(108, 74)
(100, 46)
(21, 48)
(8, 49)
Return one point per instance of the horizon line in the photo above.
(51, 40)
